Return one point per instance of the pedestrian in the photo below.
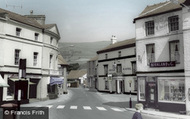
(137, 114)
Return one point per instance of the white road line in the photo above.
(49, 106)
(117, 109)
(87, 108)
(101, 108)
(73, 107)
(60, 106)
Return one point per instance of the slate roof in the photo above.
(118, 45)
(159, 8)
(61, 60)
(23, 19)
(75, 74)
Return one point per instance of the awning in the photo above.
(16, 79)
(3, 83)
(56, 80)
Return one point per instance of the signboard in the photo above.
(163, 64)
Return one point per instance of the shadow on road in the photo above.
(120, 104)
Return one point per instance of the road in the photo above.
(85, 104)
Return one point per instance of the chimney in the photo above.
(113, 39)
(39, 18)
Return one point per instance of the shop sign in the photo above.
(162, 64)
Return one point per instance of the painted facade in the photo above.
(117, 67)
(24, 38)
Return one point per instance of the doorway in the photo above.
(151, 94)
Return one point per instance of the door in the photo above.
(151, 94)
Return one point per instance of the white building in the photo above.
(160, 57)
(24, 38)
(117, 67)
(92, 72)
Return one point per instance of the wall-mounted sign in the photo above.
(163, 64)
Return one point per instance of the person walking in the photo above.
(137, 114)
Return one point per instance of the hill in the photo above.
(80, 52)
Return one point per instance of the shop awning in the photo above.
(16, 79)
(3, 83)
(56, 80)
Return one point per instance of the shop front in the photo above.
(162, 93)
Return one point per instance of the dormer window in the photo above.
(18, 31)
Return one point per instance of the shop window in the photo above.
(174, 51)
(141, 86)
(171, 90)
(149, 26)
(150, 48)
(173, 23)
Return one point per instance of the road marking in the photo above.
(101, 108)
(49, 106)
(73, 107)
(60, 106)
(118, 110)
(87, 108)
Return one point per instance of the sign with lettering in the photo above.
(163, 64)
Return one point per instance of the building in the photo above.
(160, 47)
(76, 77)
(23, 37)
(92, 72)
(117, 67)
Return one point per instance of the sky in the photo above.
(85, 20)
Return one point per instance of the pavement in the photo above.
(117, 100)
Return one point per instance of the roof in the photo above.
(75, 74)
(94, 58)
(119, 45)
(61, 60)
(160, 8)
(24, 19)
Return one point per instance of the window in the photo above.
(18, 31)
(105, 69)
(119, 54)
(171, 90)
(173, 23)
(51, 40)
(35, 62)
(17, 56)
(141, 84)
(149, 26)
(50, 61)
(150, 53)
(174, 51)
(106, 56)
(106, 85)
(134, 68)
(119, 68)
(36, 36)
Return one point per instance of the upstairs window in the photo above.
(17, 56)
(106, 56)
(134, 68)
(174, 51)
(150, 48)
(18, 31)
(50, 61)
(35, 62)
(173, 23)
(119, 68)
(119, 54)
(149, 26)
(36, 35)
(105, 69)
(51, 40)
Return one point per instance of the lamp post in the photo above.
(130, 101)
